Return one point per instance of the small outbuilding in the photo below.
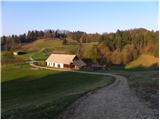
(64, 61)
(15, 53)
(18, 53)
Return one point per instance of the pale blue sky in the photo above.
(91, 17)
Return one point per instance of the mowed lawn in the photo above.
(31, 93)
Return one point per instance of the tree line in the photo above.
(120, 47)
(13, 41)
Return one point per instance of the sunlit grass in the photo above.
(35, 93)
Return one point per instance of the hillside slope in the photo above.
(41, 48)
(143, 61)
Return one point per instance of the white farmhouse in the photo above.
(64, 61)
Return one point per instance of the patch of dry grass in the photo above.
(145, 61)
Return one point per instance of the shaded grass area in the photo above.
(18, 71)
(121, 68)
(139, 77)
(143, 79)
(144, 83)
(30, 93)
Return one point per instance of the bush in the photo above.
(41, 63)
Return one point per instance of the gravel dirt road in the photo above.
(111, 102)
(115, 101)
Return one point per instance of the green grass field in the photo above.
(144, 83)
(40, 49)
(32, 93)
(147, 78)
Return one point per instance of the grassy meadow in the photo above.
(140, 77)
(145, 79)
(30, 93)
(42, 48)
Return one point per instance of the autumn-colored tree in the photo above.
(118, 48)
(80, 50)
(126, 56)
(116, 57)
(64, 41)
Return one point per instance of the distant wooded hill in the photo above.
(120, 47)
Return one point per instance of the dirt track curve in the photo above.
(112, 102)
(115, 101)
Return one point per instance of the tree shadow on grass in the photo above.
(44, 97)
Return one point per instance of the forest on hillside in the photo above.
(120, 47)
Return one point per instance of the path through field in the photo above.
(114, 101)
